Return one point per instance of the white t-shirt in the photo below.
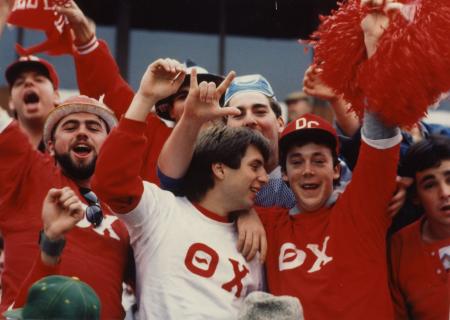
(187, 263)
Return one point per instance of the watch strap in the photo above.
(53, 248)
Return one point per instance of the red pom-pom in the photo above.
(411, 67)
(339, 50)
(409, 71)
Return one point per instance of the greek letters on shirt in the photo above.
(106, 224)
(291, 257)
(203, 260)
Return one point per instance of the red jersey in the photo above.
(420, 284)
(97, 256)
(97, 75)
(334, 260)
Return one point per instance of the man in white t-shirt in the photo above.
(188, 266)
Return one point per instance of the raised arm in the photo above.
(313, 86)
(61, 211)
(201, 106)
(97, 71)
(374, 177)
(118, 182)
(18, 158)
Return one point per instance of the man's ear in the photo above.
(218, 170)
(50, 146)
(56, 97)
(11, 109)
(281, 124)
(11, 105)
(284, 176)
(337, 171)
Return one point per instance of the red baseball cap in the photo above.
(305, 127)
(25, 63)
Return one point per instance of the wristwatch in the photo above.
(53, 248)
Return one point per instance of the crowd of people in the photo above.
(229, 213)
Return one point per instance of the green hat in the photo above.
(58, 297)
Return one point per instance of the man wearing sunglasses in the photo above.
(97, 249)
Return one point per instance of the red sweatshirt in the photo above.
(420, 284)
(97, 75)
(334, 260)
(96, 256)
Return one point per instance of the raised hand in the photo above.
(61, 211)
(83, 28)
(5, 8)
(399, 197)
(376, 22)
(313, 85)
(162, 78)
(202, 102)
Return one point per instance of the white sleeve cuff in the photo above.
(383, 143)
(88, 47)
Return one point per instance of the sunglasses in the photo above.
(94, 213)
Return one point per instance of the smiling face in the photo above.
(310, 173)
(433, 193)
(32, 97)
(76, 142)
(241, 185)
(257, 114)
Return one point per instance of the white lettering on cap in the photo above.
(302, 123)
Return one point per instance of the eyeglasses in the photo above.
(94, 213)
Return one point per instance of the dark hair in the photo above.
(308, 136)
(275, 107)
(219, 144)
(428, 153)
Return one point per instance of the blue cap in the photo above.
(249, 83)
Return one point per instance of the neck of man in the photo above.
(33, 130)
(215, 202)
(433, 232)
(83, 183)
(272, 163)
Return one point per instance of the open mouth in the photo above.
(446, 208)
(254, 190)
(82, 150)
(30, 97)
(310, 186)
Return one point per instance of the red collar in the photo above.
(210, 214)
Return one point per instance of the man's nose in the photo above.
(264, 177)
(445, 190)
(308, 168)
(249, 120)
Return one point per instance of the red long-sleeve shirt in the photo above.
(334, 260)
(420, 284)
(96, 256)
(97, 75)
